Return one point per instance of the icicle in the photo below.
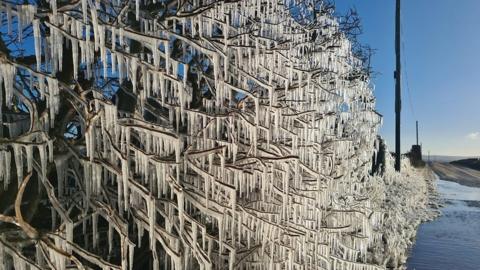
(167, 56)
(53, 6)
(114, 39)
(2, 256)
(125, 182)
(110, 237)
(4, 155)
(180, 198)
(53, 98)
(19, 22)
(185, 74)
(43, 161)
(37, 38)
(103, 49)
(137, 10)
(156, 54)
(90, 142)
(9, 19)
(120, 67)
(75, 58)
(152, 221)
(95, 230)
(133, 70)
(120, 37)
(194, 234)
(156, 263)
(50, 150)
(29, 151)
(140, 231)
(231, 260)
(17, 153)
(7, 74)
(131, 248)
(69, 232)
(84, 10)
(220, 234)
(38, 256)
(113, 59)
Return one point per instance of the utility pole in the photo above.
(417, 131)
(398, 95)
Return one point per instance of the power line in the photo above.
(410, 102)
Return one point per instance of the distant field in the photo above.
(456, 173)
(472, 163)
(439, 158)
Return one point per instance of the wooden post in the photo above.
(398, 95)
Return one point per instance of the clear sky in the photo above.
(441, 67)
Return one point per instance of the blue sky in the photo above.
(441, 66)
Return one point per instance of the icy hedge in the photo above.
(207, 135)
(408, 199)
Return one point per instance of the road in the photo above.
(462, 175)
